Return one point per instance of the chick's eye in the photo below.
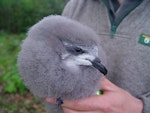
(78, 50)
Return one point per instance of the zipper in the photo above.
(114, 24)
(113, 30)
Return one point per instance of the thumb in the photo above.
(107, 85)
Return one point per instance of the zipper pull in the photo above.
(113, 30)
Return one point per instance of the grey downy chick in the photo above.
(60, 58)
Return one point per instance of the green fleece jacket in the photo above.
(124, 34)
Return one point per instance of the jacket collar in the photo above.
(118, 12)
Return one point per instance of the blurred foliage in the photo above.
(14, 96)
(18, 15)
(15, 103)
(9, 76)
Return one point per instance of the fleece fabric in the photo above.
(127, 50)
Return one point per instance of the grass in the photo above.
(14, 97)
(16, 103)
(9, 47)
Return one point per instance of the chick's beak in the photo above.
(97, 64)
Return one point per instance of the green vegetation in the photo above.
(16, 16)
(14, 97)
(9, 75)
(15, 103)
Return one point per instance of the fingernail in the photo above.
(51, 100)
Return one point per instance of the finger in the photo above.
(83, 105)
(51, 100)
(87, 104)
(107, 85)
(66, 110)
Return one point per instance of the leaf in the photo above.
(10, 87)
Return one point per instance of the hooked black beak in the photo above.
(97, 64)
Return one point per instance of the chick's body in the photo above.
(50, 62)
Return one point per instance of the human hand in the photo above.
(114, 100)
